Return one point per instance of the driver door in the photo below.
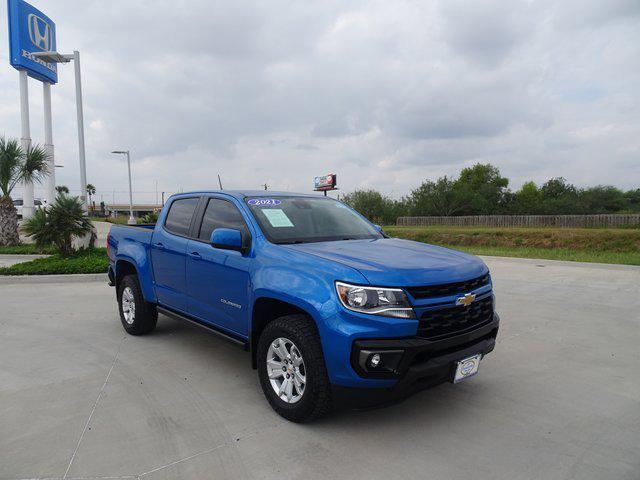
(217, 280)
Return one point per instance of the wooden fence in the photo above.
(563, 221)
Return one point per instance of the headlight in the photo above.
(387, 302)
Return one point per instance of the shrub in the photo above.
(58, 224)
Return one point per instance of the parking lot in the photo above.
(559, 398)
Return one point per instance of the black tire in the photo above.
(316, 398)
(145, 316)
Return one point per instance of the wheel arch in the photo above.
(266, 310)
(123, 268)
(125, 265)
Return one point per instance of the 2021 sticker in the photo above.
(264, 202)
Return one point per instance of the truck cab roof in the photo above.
(240, 194)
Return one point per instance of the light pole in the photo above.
(55, 57)
(131, 221)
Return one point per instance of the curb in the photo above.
(71, 278)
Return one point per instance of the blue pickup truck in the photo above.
(332, 311)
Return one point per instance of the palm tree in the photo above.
(62, 189)
(91, 190)
(17, 166)
(58, 224)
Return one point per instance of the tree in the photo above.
(632, 198)
(484, 188)
(58, 224)
(62, 190)
(442, 197)
(527, 200)
(373, 205)
(603, 199)
(560, 198)
(91, 190)
(16, 166)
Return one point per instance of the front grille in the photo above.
(447, 289)
(452, 320)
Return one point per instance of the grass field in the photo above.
(92, 260)
(620, 246)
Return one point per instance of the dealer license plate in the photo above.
(467, 368)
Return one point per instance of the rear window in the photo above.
(179, 217)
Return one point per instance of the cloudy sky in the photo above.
(384, 93)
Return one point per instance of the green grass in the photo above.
(621, 246)
(121, 220)
(92, 260)
(26, 249)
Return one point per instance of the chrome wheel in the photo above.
(286, 371)
(128, 305)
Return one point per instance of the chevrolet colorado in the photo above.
(332, 310)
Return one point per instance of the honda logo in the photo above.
(39, 32)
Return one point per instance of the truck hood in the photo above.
(396, 262)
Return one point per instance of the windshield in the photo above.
(308, 219)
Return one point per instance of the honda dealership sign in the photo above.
(31, 31)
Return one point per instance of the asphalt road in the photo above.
(559, 398)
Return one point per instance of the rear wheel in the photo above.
(137, 315)
(291, 368)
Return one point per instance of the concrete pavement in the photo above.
(559, 398)
(7, 260)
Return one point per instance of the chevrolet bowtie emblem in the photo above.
(466, 300)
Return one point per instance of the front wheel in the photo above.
(292, 370)
(137, 315)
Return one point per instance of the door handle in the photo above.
(159, 246)
(195, 255)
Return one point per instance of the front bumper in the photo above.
(424, 363)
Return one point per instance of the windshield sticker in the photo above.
(264, 202)
(277, 218)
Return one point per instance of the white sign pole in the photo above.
(83, 165)
(50, 180)
(27, 193)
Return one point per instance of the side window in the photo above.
(179, 216)
(221, 214)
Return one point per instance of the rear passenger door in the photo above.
(168, 253)
(218, 280)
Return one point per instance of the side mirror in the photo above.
(379, 228)
(227, 239)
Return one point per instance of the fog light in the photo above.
(375, 360)
(379, 361)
